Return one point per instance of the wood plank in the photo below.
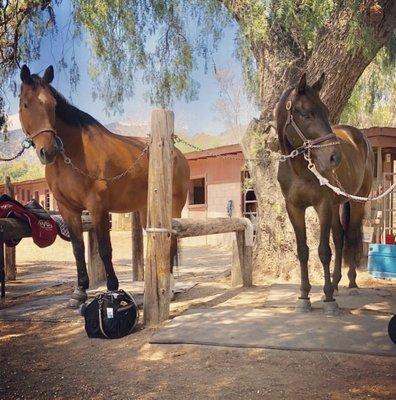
(187, 227)
(242, 260)
(95, 267)
(2, 272)
(137, 248)
(159, 205)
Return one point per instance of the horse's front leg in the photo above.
(73, 221)
(338, 239)
(325, 213)
(101, 223)
(297, 218)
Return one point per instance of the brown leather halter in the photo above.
(307, 143)
(58, 141)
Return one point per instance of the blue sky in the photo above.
(195, 116)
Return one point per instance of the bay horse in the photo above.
(58, 128)
(343, 155)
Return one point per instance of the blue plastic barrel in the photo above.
(382, 260)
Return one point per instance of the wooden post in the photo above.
(159, 219)
(379, 204)
(242, 257)
(10, 264)
(95, 266)
(137, 247)
(2, 273)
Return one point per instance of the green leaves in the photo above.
(157, 41)
(373, 101)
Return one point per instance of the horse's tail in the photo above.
(352, 222)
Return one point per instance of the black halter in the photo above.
(307, 143)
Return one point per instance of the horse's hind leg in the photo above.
(101, 224)
(297, 218)
(353, 247)
(73, 222)
(338, 239)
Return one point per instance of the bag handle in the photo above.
(100, 318)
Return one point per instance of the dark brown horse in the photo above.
(344, 156)
(53, 124)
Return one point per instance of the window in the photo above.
(249, 201)
(197, 192)
(28, 195)
(36, 195)
(23, 194)
(47, 203)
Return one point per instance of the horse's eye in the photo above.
(305, 114)
(25, 105)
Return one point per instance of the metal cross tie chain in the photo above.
(27, 143)
(68, 161)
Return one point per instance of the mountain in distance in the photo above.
(10, 144)
(202, 140)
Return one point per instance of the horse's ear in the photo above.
(48, 76)
(319, 83)
(25, 74)
(302, 84)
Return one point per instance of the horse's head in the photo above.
(305, 122)
(37, 113)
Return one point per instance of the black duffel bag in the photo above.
(111, 315)
(392, 329)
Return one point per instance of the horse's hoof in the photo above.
(112, 285)
(303, 305)
(75, 303)
(354, 291)
(78, 297)
(330, 308)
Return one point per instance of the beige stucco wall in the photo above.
(217, 199)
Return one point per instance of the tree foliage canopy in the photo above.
(163, 41)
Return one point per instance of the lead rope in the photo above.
(325, 182)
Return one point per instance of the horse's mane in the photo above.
(68, 113)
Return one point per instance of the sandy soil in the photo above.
(58, 361)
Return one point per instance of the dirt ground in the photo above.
(57, 361)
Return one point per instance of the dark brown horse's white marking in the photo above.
(53, 124)
(343, 155)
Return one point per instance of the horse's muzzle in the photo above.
(47, 157)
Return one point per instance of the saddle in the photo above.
(44, 228)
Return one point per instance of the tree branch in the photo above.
(338, 49)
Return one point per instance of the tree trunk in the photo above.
(279, 65)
